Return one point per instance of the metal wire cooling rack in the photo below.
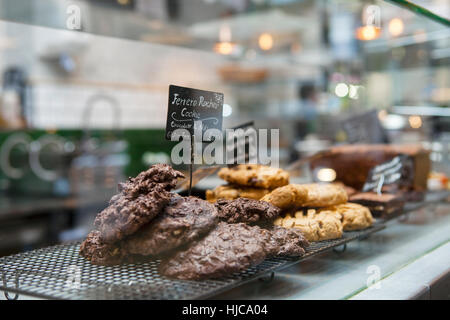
(58, 272)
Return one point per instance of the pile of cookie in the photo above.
(194, 238)
(320, 211)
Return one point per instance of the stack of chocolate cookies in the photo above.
(194, 238)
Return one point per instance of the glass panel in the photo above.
(301, 66)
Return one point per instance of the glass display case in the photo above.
(83, 105)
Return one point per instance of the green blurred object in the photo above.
(139, 142)
(422, 11)
(142, 141)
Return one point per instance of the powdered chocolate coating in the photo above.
(182, 221)
(246, 210)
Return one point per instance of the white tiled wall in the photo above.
(135, 74)
(62, 106)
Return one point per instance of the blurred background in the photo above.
(84, 86)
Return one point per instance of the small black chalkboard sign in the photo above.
(187, 105)
(365, 128)
(232, 144)
(393, 171)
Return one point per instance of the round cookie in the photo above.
(140, 200)
(287, 197)
(324, 195)
(314, 227)
(255, 175)
(184, 220)
(228, 248)
(125, 215)
(232, 248)
(101, 253)
(246, 210)
(354, 216)
(232, 192)
(286, 242)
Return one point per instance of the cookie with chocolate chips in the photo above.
(255, 175)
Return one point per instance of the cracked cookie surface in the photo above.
(354, 216)
(183, 220)
(246, 210)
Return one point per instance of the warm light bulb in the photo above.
(367, 33)
(224, 48)
(326, 174)
(396, 27)
(265, 41)
(341, 90)
(382, 114)
(415, 122)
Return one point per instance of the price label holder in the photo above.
(204, 172)
(390, 172)
(365, 128)
(188, 107)
(243, 139)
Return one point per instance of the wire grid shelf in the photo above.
(59, 272)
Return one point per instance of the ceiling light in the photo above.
(224, 48)
(367, 33)
(415, 122)
(326, 174)
(353, 92)
(227, 110)
(396, 27)
(265, 41)
(341, 90)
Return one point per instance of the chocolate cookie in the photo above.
(227, 249)
(158, 174)
(181, 222)
(246, 210)
(286, 242)
(141, 200)
(255, 175)
(124, 216)
(232, 248)
(101, 253)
